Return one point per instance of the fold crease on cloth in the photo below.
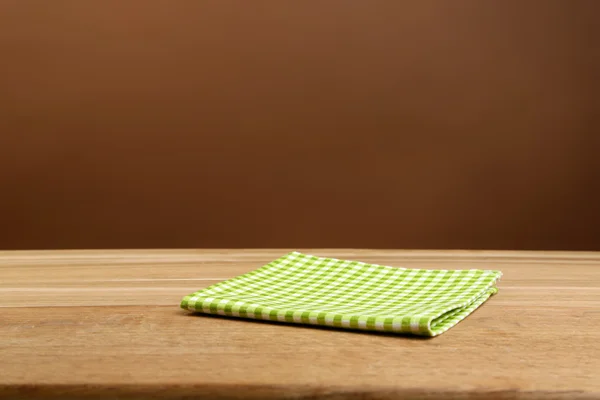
(305, 289)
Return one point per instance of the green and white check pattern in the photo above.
(305, 289)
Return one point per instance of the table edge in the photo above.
(170, 391)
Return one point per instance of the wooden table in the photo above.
(106, 324)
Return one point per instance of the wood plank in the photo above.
(102, 327)
(160, 277)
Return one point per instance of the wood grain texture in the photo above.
(106, 324)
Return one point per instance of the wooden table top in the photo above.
(107, 324)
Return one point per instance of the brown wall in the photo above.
(404, 124)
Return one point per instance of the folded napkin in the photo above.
(305, 289)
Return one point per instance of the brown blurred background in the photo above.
(398, 124)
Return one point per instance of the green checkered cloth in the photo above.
(305, 289)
